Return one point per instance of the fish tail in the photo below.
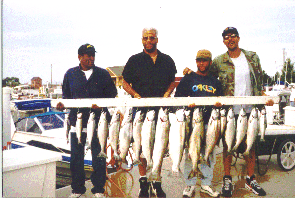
(176, 173)
(102, 154)
(154, 177)
(117, 157)
(246, 153)
(136, 162)
(234, 148)
(149, 167)
(205, 160)
(230, 152)
(192, 174)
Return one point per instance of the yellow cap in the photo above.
(205, 54)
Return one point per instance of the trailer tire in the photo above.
(286, 155)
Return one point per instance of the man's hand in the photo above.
(269, 102)
(137, 96)
(60, 106)
(167, 95)
(191, 105)
(94, 106)
(187, 71)
(217, 104)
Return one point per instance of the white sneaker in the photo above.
(99, 195)
(208, 190)
(77, 195)
(189, 191)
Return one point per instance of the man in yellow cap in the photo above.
(200, 84)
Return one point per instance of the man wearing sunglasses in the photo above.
(240, 74)
(149, 74)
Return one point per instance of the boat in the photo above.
(46, 130)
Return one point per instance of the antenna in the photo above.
(286, 65)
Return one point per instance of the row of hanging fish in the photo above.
(151, 140)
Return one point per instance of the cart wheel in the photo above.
(286, 155)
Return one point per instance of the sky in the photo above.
(42, 34)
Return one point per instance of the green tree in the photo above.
(11, 81)
(290, 77)
(266, 79)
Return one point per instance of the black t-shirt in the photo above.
(149, 79)
(195, 85)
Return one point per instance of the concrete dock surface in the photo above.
(276, 182)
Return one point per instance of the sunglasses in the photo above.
(231, 36)
(151, 38)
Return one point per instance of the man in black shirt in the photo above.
(149, 74)
(200, 84)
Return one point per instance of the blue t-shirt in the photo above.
(195, 85)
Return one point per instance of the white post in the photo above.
(6, 121)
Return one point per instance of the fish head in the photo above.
(150, 115)
(263, 111)
(230, 114)
(215, 114)
(138, 116)
(180, 116)
(92, 115)
(254, 113)
(163, 115)
(198, 115)
(222, 113)
(79, 116)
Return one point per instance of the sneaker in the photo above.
(208, 190)
(189, 191)
(77, 195)
(99, 195)
(252, 185)
(157, 190)
(144, 188)
(227, 186)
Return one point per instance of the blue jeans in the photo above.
(98, 177)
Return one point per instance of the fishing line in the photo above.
(267, 163)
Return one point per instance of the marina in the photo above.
(122, 180)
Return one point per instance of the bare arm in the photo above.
(127, 87)
(169, 90)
